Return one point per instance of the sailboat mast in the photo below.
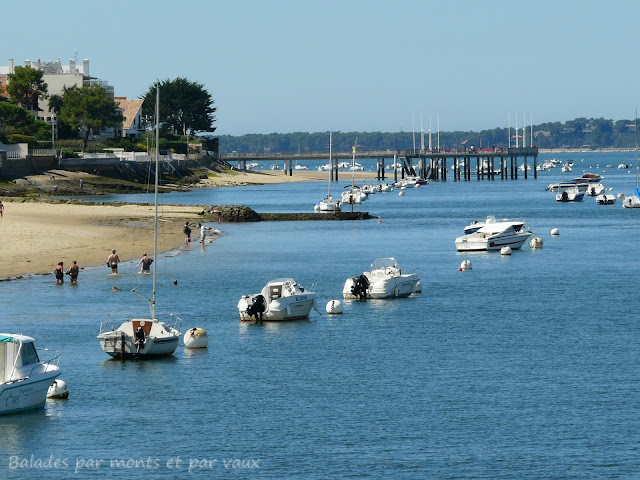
(155, 200)
(330, 162)
(636, 145)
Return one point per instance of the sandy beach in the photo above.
(35, 236)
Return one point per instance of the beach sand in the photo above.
(35, 236)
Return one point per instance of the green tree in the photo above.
(15, 120)
(25, 86)
(88, 109)
(185, 106)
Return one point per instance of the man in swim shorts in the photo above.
(112, 261)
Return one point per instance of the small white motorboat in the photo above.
(570, 195)
(595, 189)
(384, 280)
(493, 236)
(606, 199)
(24, 379)
(280, 300)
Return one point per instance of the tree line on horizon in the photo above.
(579, 133)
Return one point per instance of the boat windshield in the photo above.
(384, 263)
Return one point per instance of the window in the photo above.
(29, 354)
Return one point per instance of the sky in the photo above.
(352, 65)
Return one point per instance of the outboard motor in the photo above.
(257, 308)
(360, 286)
(139, 338)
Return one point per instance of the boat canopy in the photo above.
(384, 263)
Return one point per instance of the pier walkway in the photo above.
(489, 163)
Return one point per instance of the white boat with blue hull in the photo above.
(24, 379)
(280, 300)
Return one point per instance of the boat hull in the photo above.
(26, 394)
(479, 244)
(280, 310)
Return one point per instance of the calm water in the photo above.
(524, 367)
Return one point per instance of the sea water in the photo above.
(525, 366)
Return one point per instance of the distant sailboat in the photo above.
(329, 204)
(633, 201)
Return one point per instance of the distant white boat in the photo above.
(301, 167)
(570, 195)
(606, 199)
(595, 189)
(493, 236)
(384, 280)
(252, 165)
(356, 167)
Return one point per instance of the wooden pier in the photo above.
(437, 165)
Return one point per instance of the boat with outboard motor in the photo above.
(143, 337)
(570, 195)
(494, 236)
(606, 199)
(24, 379)
(279, 300)
(384, 280)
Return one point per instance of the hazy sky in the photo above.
(352, 65)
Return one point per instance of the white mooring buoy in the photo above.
(465, 265)
(196, 338)
(554, 231)
(401, 193)
(58, 389)
(505, 250)
(334, 307)
(536, 242)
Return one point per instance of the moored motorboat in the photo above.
(24, 379)
(588, 177)
(279, 300)
(570, 195)
(384, 280)
(606, 199)
(595, 189)
(562, 186)
(493, 236)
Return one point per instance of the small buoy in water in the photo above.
(175, 282)
(620, 195)
(417, 185)
(401, 193)
(554, 231)
(465, 265)
(505, 250)
(58, 389)
(316, 208)
(196, 338)
(379, 220)
(334, 307)
(536, 242)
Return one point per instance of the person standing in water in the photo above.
(73, 273)
(59, 273)
(112, 261)
(146, 263)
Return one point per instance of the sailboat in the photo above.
(355, 194)
(633, 201)
(329, 204)
(143, 337)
